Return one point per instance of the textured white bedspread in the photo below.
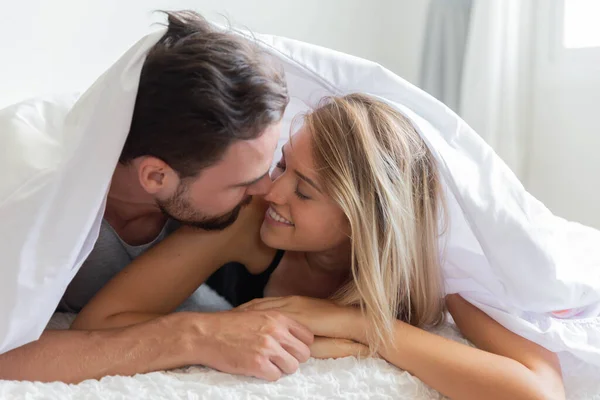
(346, 378)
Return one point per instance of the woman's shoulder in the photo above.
(241, 239)
(255, 254)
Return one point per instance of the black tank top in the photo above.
(238, 286)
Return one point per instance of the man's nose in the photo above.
(261, 187)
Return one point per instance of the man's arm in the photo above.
(263, 344)
(73, 356)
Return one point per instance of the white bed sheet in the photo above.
(347, 378)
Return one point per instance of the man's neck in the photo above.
(127, 200)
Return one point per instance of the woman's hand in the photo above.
(324, 348)
(322, 317)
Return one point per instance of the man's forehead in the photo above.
(247, 160)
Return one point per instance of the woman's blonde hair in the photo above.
(377, 168)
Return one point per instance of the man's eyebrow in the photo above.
(252, 182)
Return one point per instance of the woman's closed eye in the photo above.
(300, 195)
(281, 166)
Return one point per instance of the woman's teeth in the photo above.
(278, 217)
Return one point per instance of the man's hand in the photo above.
(259, 343)
(263, 344)
(323, 317)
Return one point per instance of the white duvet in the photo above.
(504, 252)
(346, 378)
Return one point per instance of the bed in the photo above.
(497, 230)
(346, 378)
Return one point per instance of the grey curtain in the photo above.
(444, 47)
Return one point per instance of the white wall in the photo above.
(63, 45)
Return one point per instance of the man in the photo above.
(202, 137)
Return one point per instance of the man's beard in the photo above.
(178, 208)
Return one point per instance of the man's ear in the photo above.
(155, 175)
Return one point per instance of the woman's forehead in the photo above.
(299, 146)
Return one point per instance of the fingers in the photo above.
(300, 331)
(261, 304)
(355, 349)
(270, 360)
(279, 347)
(285, 361)
(249, 305)
(324, 348)
(293, 337)
(268, 371)
(296, 348)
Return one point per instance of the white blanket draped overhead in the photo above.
(505, 252)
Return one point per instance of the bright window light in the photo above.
(581, 24)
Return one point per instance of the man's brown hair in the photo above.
(202, 88)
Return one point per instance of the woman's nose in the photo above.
(276, 192)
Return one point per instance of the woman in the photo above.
(356, 204)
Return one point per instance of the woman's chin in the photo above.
(272, 238)
(266, 235)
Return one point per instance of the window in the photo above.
(581, 24)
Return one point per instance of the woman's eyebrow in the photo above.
(307, 180)
(302, 176)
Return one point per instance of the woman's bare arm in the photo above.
(159, 280)
(504, 366)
